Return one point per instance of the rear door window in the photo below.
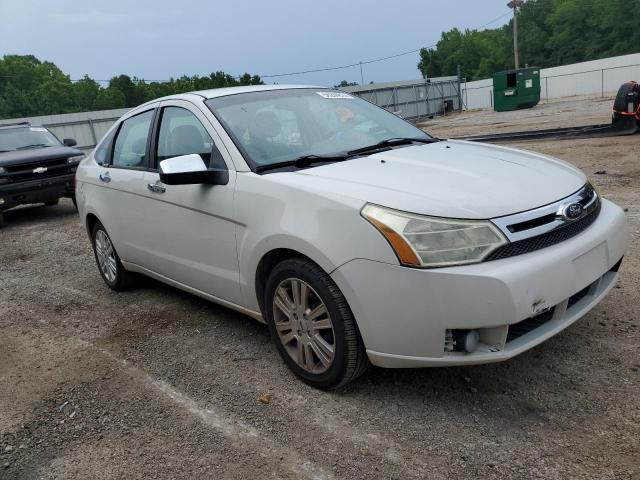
(130, 148)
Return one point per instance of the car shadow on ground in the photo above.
(36, 213)
(501, 390)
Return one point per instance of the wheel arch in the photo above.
(266, 265)
(90, 222)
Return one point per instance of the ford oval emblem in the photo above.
(573, 211)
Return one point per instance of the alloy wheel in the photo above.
(304, 325)
(106, 256)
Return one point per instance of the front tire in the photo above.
(312, 325)
(108, 261)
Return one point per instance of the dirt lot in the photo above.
(156, 383)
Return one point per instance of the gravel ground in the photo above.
(156, 383)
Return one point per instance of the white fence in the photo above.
(596, 77)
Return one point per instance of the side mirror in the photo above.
(69, 142)
(190, 170)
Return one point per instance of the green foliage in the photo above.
(29, 87)
(550, 33)
(344, 83)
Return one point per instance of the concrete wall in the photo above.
(596, 77)
(86, 127)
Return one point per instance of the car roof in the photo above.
(221, 92)
(5, 126)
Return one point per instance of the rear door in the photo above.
(190, 234)
(119, 184)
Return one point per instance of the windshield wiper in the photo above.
(308, 160)
(304, 161)
(392, 142)
(24, 147)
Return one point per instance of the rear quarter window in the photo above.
(102, 155)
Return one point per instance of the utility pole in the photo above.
(361, 75)
(515, 4)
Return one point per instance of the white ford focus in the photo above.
(354, 235)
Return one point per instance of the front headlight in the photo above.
(76, 159)
(3, 170)
(422, 241)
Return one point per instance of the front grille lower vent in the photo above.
(546, 239)
(519, 329)
(573, 299)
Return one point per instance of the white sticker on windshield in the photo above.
(334, 95)
(38, 129)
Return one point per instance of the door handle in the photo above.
(104, 178)
(156, 188)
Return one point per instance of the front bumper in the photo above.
(36, 191)
(404, 313)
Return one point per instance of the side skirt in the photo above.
(132, 267)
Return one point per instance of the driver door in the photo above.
(190, 231)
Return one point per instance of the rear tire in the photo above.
(108, 261)
(620, 103)
(1, 219)
(312, 325)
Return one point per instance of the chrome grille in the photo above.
(546, 226)
(546, 239)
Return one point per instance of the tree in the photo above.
(109, 98)
(84, 93)
(551, 32)
(29, 87)
(344, 83)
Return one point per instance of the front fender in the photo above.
(328, 229)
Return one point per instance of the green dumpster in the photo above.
(516, 89)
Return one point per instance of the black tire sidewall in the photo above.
(620, 103)
(294, 269)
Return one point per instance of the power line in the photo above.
(381, 59)
(493, 21)
(341, 67)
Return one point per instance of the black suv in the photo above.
(35, 166)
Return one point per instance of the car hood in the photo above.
(35, 155)
(451, 179)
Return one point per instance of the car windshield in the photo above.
(23, 138)
(277, 126)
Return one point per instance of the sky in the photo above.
(159, 39)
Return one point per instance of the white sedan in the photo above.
(355, 236)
